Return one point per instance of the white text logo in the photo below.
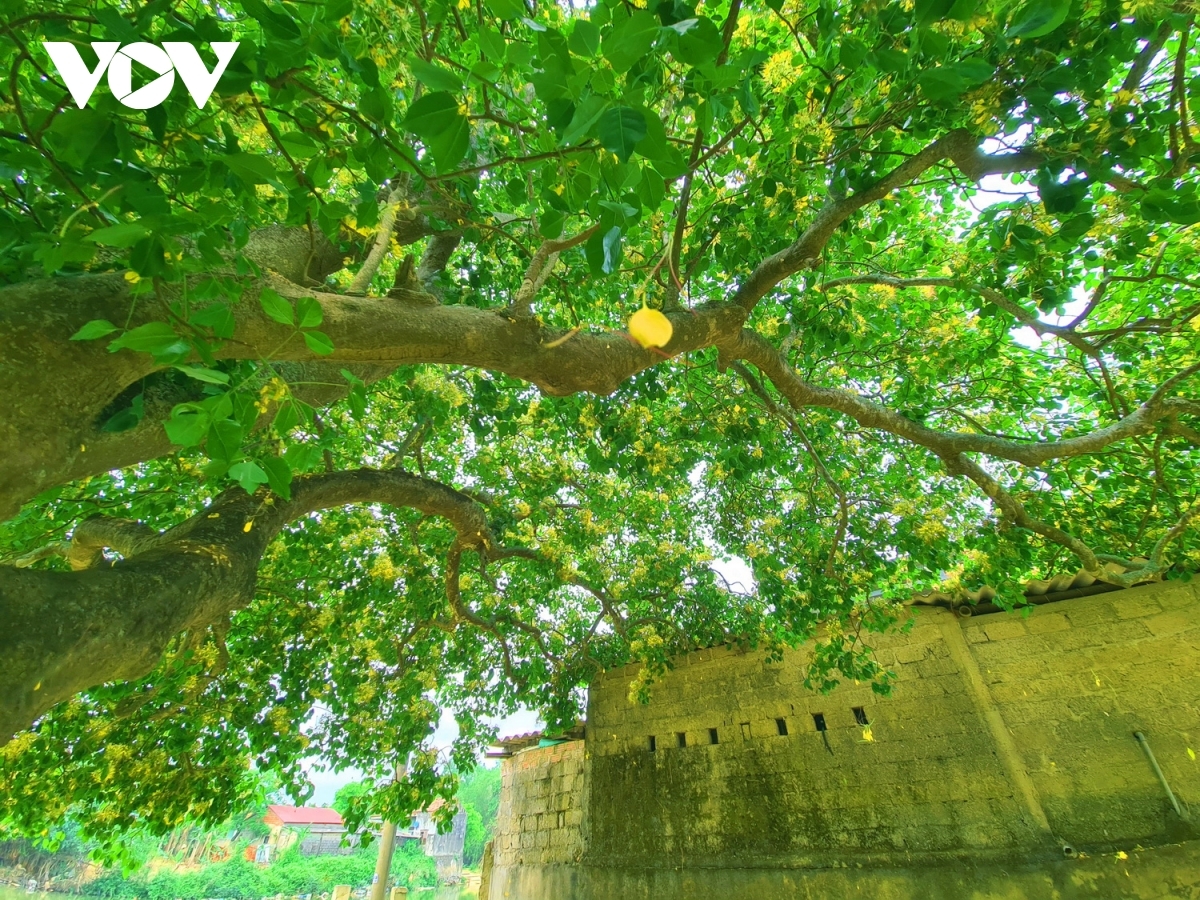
(171, 57)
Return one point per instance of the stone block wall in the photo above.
(542, 793)
(1007, 739)
(927, 781)
(1075, 679)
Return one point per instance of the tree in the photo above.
(479, 796)
(320, 413)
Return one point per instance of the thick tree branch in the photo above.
(55, 390)
(68, 631)
(799, 393)
(441, 246)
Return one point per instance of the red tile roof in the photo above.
(305, 815)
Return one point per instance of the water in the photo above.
(447, 892)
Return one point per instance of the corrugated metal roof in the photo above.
(305, 815)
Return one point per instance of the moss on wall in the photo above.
(1006, 739)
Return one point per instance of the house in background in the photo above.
(445, 849)
(318, 829)
(320, 832)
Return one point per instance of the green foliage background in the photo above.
(289, 874)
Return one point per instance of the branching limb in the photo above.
(1141, 63)
(795, 427)
(1014, 512)
(755, 349)
(383, 240)
(437, 254)
(91, 538)
(539, 269)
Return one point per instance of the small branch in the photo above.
(1015, 512)
(383, 239)
(1141, 64)
(539, 269)
(795, 427)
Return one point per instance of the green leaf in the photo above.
(276, 307)
(299, 144)
(209, 376)
(218, 317)
(309, 312)
(153, 337)
(249, 475)
(286, 418)
(941, 84)
(279, 475)
(620, 129)
(225, 440)
(318, 342)
(127, 418)
(251, 168)
(974, 71)
(630, 39)
(926, 12)
(125, 235)
(187, 426)
(441, 126)
(97, 328)
(586, 115)
(584, 39)
(1039, 18)
(434, 77)
(508, 9)
(274, 20)
(302, 457)
(612, 250)
(701, 44)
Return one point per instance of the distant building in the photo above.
(446, 849)
(321, 832)
(318, 829)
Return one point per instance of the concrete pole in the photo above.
(387, 845)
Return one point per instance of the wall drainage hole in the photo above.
(819, 721)
(712, 735)
(681, 736)
(781, 725)
(860, 715)
(653, 744)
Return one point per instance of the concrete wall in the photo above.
(1006, 739)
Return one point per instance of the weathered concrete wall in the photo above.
(1007, 737)
(1166, 873)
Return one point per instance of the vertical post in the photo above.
(387, 845)
(1006, 748)
(1162, 779)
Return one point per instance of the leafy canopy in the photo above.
(878, 379)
